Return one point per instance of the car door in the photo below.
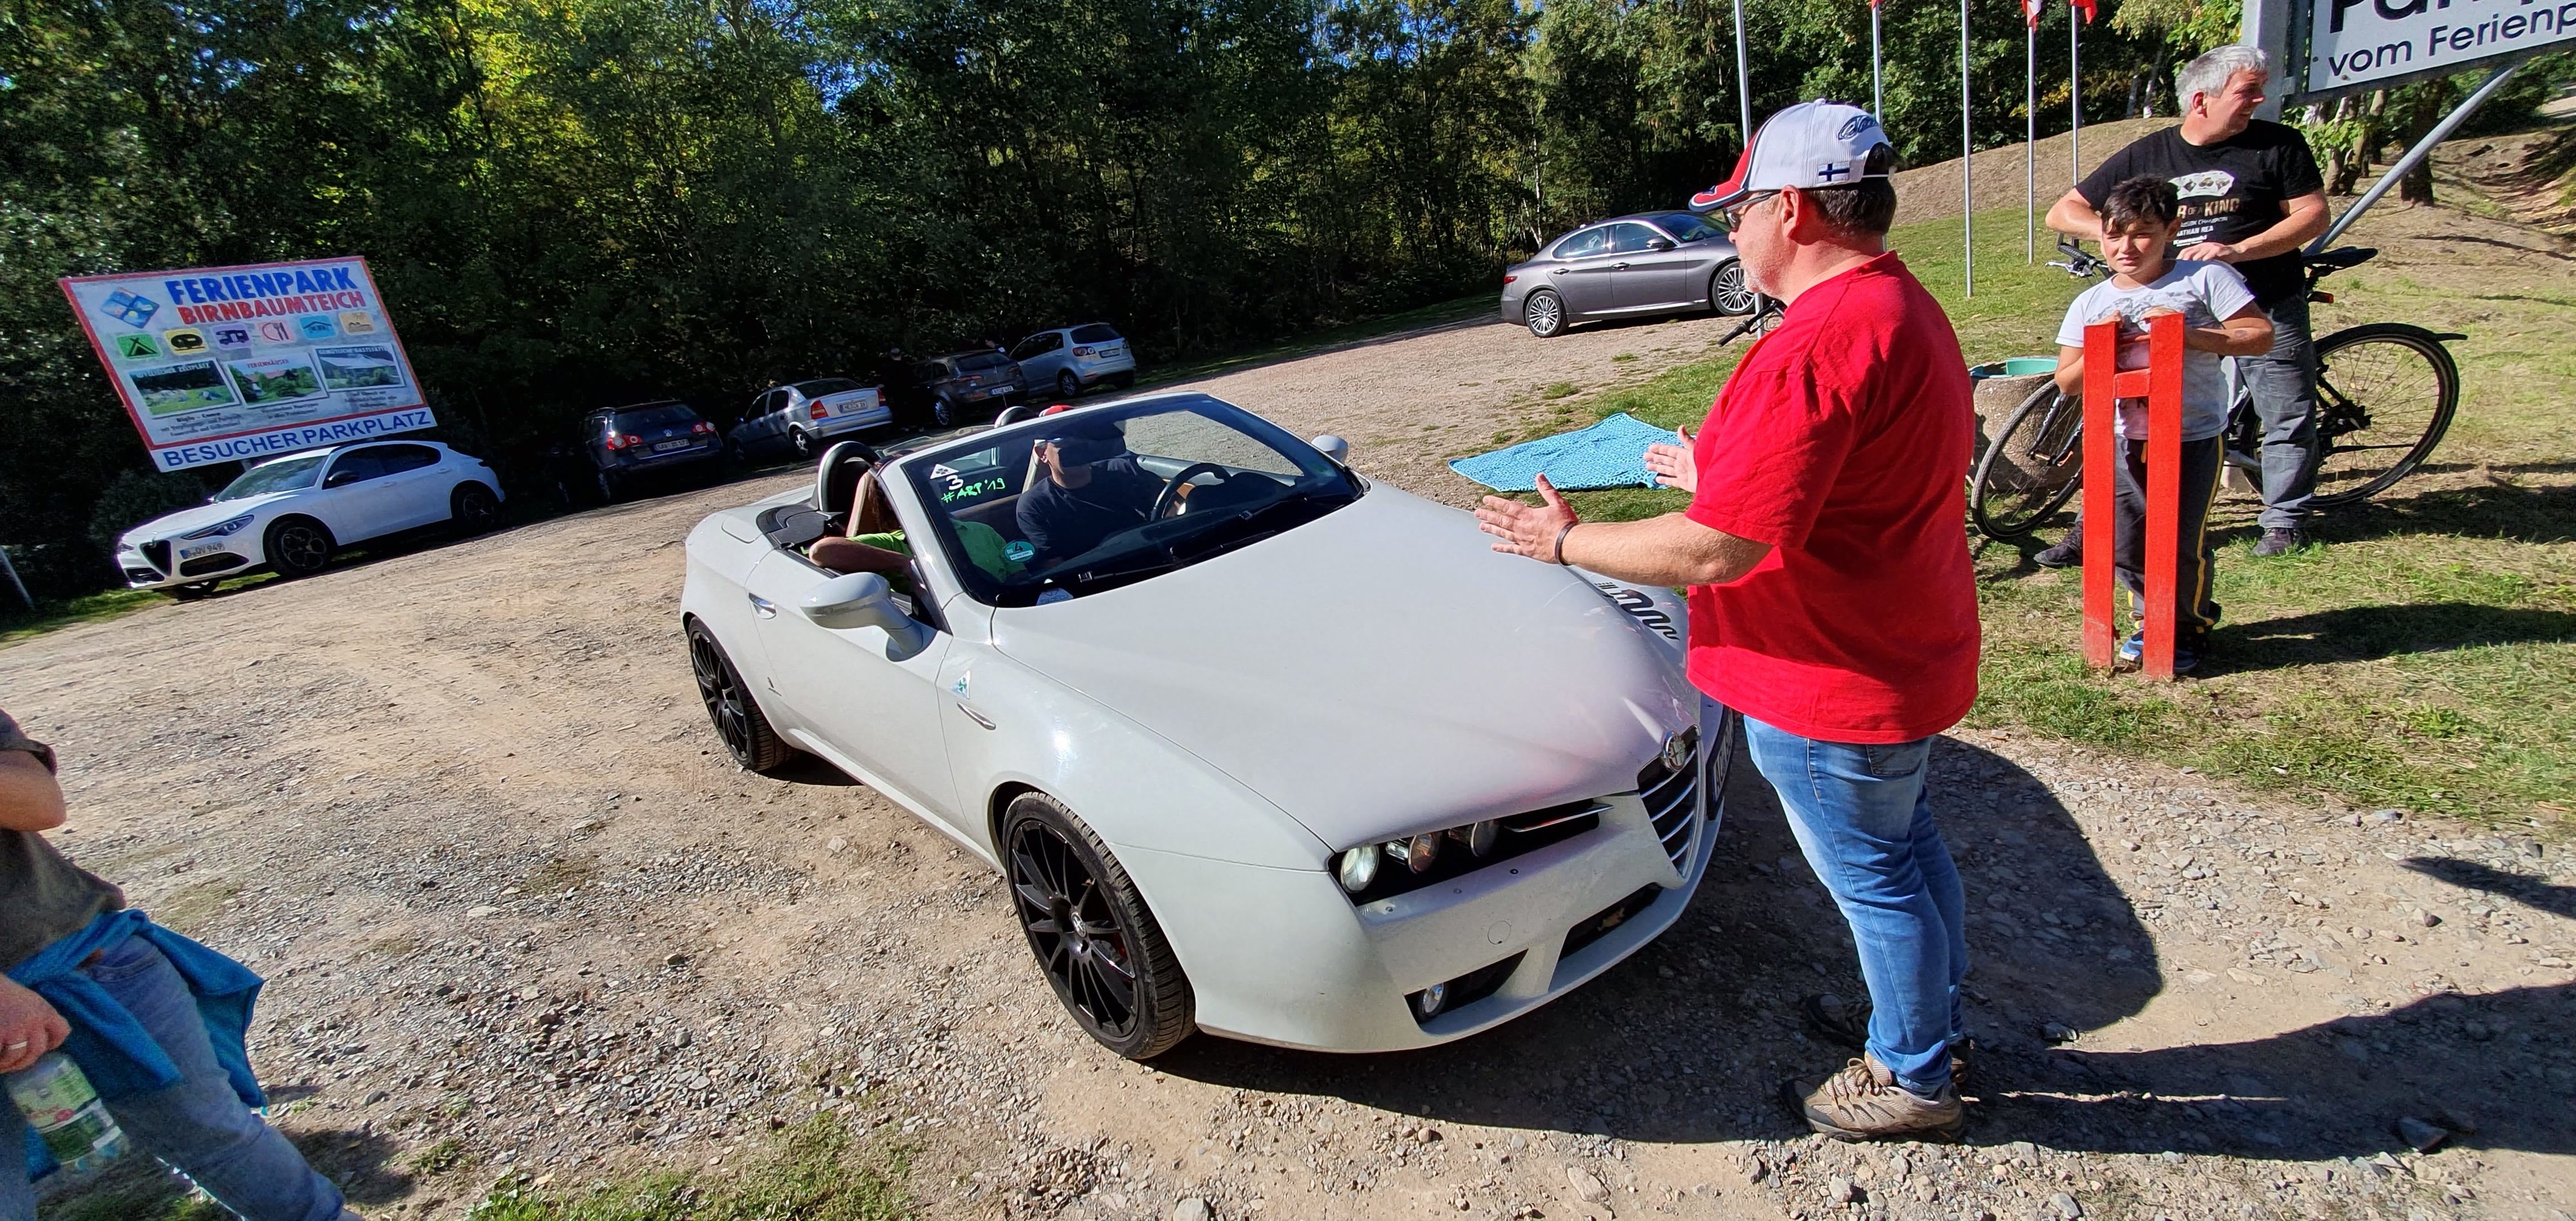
(1659, 269)
(1585, 277)
(352, 499)
(867, 699)
(1039, 356)
(414, 489)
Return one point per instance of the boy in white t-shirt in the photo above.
(2220, 319)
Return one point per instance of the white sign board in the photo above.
(231, 364)
(2355, 43)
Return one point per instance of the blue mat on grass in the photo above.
(1610, 454)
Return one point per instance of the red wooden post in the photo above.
(2101, 451)
(2160, 384)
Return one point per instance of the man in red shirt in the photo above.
(1831, 598)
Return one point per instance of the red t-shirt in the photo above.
(1842, 441)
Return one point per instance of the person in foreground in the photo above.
(2251, 196)
(1831, 598)
(153, 1019)
(2139, 218)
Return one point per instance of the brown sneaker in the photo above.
(1847, 1023)
(1864, 1102)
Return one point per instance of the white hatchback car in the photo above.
(289, 514)
(1263, 748)
(1075, 358)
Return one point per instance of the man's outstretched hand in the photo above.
(28, 1027)
(1530, 530)
(1675, 466)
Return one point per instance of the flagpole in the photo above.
(2074, 95)
(2030, 143)
(1877, 95)
(1743, 82)
(1968, 155)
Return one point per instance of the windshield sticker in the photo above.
(1019, 549)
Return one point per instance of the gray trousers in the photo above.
(2283, 383)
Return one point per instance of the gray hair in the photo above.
(2211, 72)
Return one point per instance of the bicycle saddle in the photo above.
(2343, 258)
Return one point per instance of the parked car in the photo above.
(287, 515)
(979, 382)
(1247, 764)
(1076, 358)
(1625, 267)
(625, 444)
(798, 420)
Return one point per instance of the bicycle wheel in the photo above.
(2385, 394)
(2031, 468)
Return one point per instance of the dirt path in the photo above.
(520, 916)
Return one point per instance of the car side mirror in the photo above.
(340, 479)
(1659, 243)
(862, 599)
(1333, 447)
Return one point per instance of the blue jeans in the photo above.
(198, 1126)
(1864, 820)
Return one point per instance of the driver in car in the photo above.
(1093, 488)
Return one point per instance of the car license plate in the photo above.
(1004, 388)
(1112, 353)
(665, 447)
(193, 550)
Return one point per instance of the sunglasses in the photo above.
(1734, 216)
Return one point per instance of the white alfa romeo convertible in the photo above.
(1263, 748)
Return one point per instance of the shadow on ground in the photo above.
(2367, 633)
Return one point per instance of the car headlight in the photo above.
(219, 529)
(1368, 872)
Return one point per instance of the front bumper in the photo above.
(161, 563)
(1284, 957)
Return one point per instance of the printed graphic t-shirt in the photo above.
(45, 896)
(2205, 293)
(2231, 190)
(1842, 440)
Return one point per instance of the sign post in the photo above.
(232, 364)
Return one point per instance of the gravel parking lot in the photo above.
(521, 916)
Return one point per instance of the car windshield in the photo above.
(1062, 508)
(980, 362)
(284, 475)
(1685, 227)
(825, 385)
(1095, 333)
(662, 415)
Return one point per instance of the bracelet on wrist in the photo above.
(1562, 531)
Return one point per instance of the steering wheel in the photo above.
(1171, 493)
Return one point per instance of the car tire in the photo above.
(297, 547)
(801, 442)
(610, 488)
(1727, 292)
(943, 413)
(191, 591)
(1067, 384)
(733, 453)
(740, 725)
(1544, 313)
(1062, 872)
(473, 509)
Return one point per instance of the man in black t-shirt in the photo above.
(2251, 197)
(1093, 488)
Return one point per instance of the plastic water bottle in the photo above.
(66, 1113)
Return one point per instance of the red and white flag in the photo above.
(2082, 6)
(2031, 11)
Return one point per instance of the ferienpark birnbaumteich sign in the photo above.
(232, 364)
(2358, 43)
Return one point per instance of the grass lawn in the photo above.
(18, 623)
(2424, 659)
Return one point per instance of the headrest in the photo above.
(836, 476)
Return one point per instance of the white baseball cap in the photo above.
(1809, 145)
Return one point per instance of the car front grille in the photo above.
(143, 575)
(158, 551)
(1670, 794)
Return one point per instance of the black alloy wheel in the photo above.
(733, 453)
(474, 510)
(1067, 384)
(738, 720)
(942, 412)
(1092, 934)
(298, 547)
(610, 486)
(1545, 314)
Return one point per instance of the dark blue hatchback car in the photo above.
(625, 444)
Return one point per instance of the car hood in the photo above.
(1375, 672)
(181, 522)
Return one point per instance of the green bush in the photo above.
(135, 497)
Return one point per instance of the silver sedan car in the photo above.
(1625, 267)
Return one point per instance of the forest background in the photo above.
(575, 203)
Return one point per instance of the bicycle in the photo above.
(2381, 387)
